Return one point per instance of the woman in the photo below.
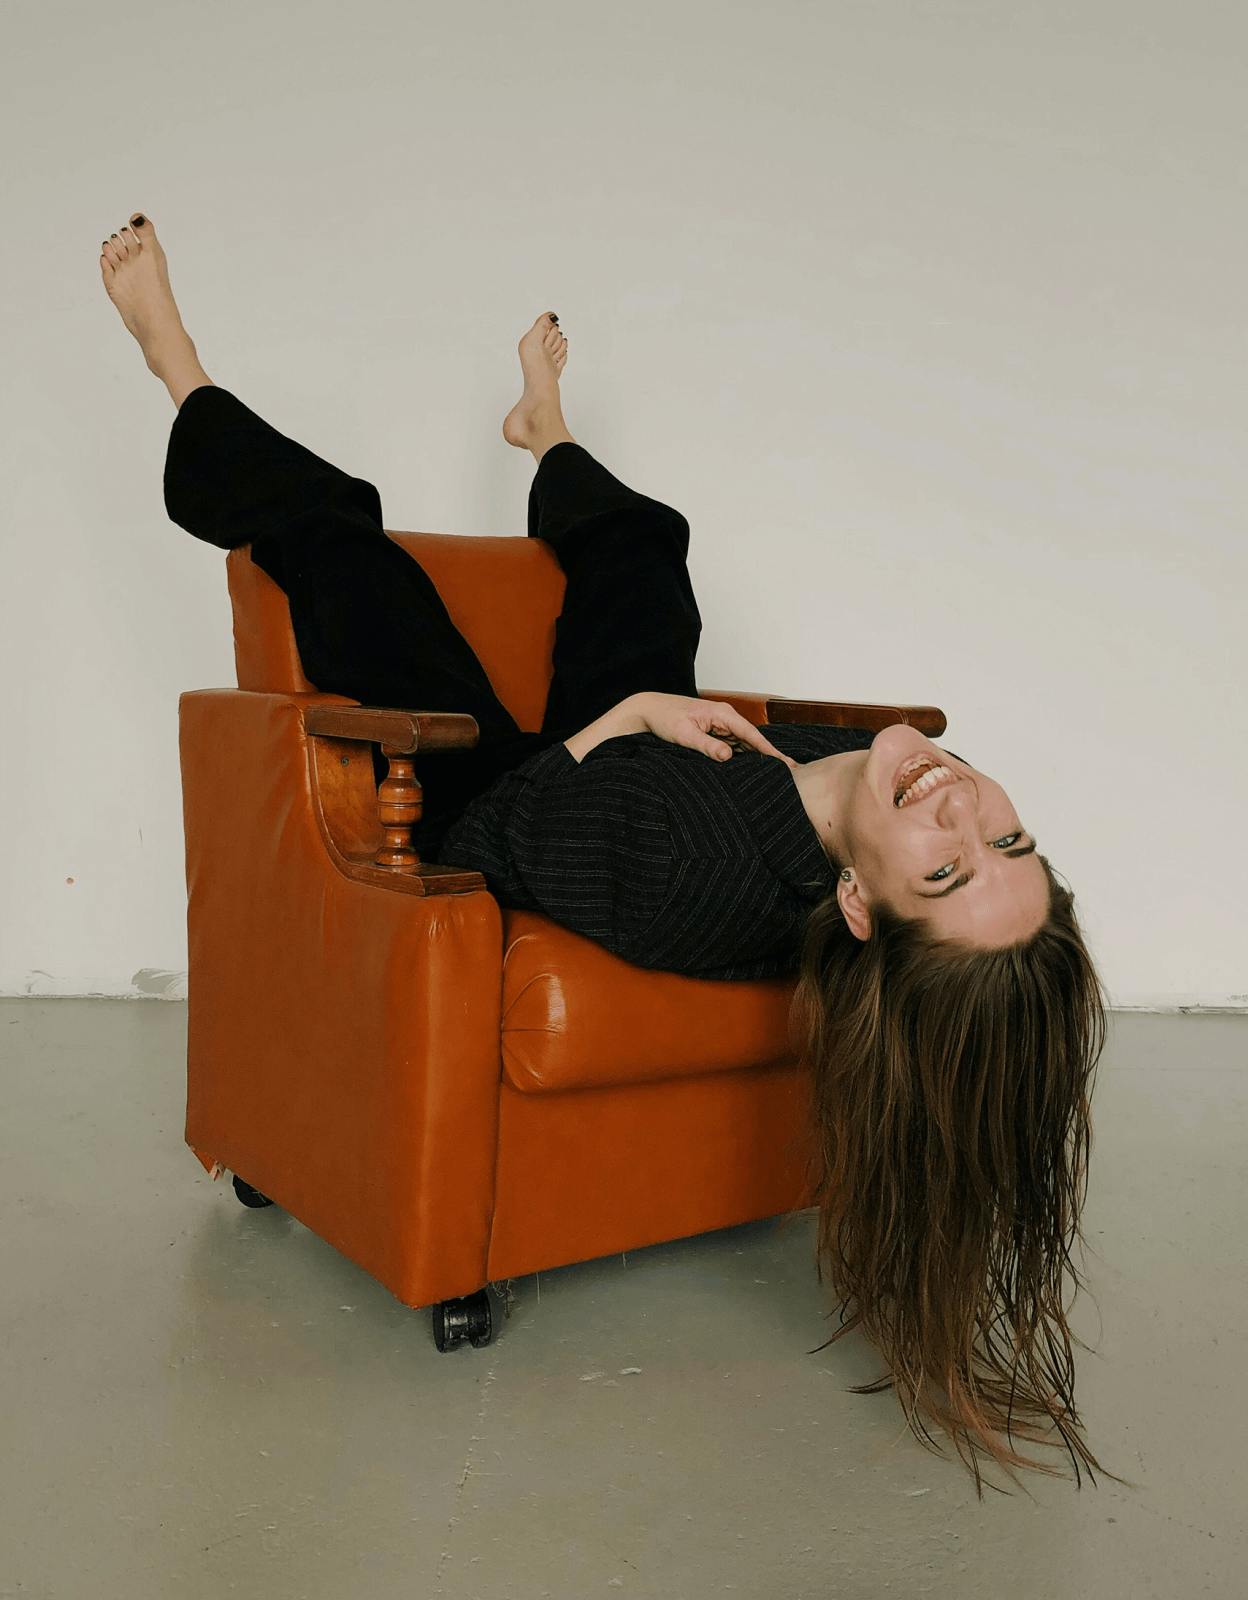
(946, 1005)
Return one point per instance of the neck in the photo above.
(825, 786)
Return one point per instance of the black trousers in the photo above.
(370, 624)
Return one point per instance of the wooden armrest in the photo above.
(761, 707)
(856, 714)
(349, 807)
(398, 732)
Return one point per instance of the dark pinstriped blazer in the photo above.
(665, 856)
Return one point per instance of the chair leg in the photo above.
(470, 1316)
(248, 1195)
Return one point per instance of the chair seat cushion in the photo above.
(576, 1016)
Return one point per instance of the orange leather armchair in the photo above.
(449, 1092)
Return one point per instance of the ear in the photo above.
(854, 908)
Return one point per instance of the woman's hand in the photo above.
(712, 726)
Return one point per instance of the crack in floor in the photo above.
(473, 1438)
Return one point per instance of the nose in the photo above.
(959, 803)
(958, 813)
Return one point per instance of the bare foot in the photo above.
(136, 276)
(536, 422)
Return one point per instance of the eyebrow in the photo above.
(965, 878)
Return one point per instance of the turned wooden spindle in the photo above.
(399, 805)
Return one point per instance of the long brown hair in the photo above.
(951, 1089)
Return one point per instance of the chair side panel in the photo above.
(343, 1039)
(588, 1173)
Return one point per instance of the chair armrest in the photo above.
(759, 707)
(364, 826)
(349, 808)
(398, 732)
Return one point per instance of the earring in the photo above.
(846, 873)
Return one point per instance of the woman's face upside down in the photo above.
(954, 851)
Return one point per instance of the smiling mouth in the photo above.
(919, 777)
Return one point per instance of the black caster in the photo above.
(248, 1195)
(453, 1319)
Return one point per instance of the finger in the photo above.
(701, 734)
(769, 749)
(754, 737)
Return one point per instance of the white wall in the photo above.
(929, 317)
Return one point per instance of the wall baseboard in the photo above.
(161, 983)
(1202, 1004)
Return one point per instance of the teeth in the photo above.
(914, 766)
(931, 779)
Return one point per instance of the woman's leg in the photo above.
(367, 618)
(630, 620)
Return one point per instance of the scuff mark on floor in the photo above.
(474, 1438)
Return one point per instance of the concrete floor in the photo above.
(202, 1400)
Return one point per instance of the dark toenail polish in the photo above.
(138, 221)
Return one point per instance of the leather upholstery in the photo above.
(439, 1088)
(577, 1017)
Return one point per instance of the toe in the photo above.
(131, 242)
(119, 245)
(138, 220)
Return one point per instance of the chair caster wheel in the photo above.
(248, 1195)
(453, 1319)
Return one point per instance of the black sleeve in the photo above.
(451, 780)
(585, 843)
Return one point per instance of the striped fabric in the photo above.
(668, 858)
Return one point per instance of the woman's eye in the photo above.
(1003, 843)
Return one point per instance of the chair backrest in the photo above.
(503, 593)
